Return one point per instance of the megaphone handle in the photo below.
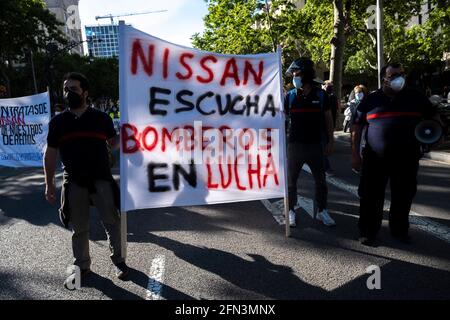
(425, 148)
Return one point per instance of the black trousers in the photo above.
(400, 168)
(312, 155)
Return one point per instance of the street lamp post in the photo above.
(52, 52)
(33, 72)
(380, 51)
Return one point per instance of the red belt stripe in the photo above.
(305, 110)
(392, 115)
(75, 135)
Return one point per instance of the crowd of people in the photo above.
(384, 148)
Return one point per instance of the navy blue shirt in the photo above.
(82, 142)
(391, 121)
(307, 115)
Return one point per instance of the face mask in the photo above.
(397, 84)
(73, 100)
(359, 96)
(297, 81)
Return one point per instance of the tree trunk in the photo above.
(337, 47)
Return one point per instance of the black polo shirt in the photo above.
(307, 115)
(391, 121)
(82, 143)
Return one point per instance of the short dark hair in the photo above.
(394, 65)
(84, 82)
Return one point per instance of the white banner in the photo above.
(198, 127)
(24, 128)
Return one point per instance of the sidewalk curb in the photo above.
(438, 156)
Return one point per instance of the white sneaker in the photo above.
(325, 218)
(292, 218)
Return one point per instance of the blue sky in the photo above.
(181, 20)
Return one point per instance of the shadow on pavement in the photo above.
(22, 197)
(108, 287)
(11, 289)
(399, 280)
(141, 279)
(259, 275)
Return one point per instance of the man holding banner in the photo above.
(81, 135)
(310, 129)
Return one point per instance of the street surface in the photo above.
(231, 251)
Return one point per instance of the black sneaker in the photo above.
(122, 270)
(403, 238)
(367, 241)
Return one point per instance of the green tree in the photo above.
(248, 26)
(103, 75)
(230, 27)
(25, 25)
(333, 32)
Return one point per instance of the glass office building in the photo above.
(103, 40)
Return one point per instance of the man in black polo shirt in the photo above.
(80, 135)
(391, 152)
(310, 136)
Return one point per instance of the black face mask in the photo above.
(73, 100)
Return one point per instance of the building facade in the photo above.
(66, 11)
(103, 40)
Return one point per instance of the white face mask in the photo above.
(297, 81)
(397, 84)
(359, 96)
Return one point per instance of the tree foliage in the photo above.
(103, 75)
(248, 26)
(242, 27)
(26, 25)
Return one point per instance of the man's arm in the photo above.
(356, 143)
(330, 132)
(50, 158)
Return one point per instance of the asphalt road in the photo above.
(230, 251)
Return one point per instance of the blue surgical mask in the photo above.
(359, 96)
(397, 84)
(297, 81)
